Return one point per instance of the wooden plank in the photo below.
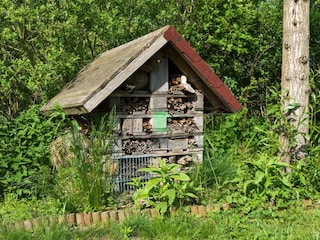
(199, 102)
(160, 73)
(140, 93)
(121, 61)
(71, 219)
(158, 103)
(27, 224)
(105, 216)
(117, 146)
(198, 120)
(159, 151)
(186, 115)
(192, 152)
(137, 126)
(178, 145)
(124, 74)
(163, 143)
(198, 157)
(126, 127)
(198, 140)
(159, 145)
(162, 135)
(134, 115)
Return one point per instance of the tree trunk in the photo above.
(295, 78)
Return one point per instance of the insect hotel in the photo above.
(160, 88)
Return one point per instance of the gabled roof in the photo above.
(108, 71)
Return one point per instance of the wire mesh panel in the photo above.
(128, 167)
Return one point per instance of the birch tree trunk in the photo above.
(295, 77)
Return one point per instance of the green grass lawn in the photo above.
(287, 224)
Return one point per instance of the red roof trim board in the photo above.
(202, 67)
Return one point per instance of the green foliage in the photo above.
(215, 169)
(83, 181)
(168, 189)
(255, 178)
(263, 177)
(25, 167)
(13, 209)
(264, 182)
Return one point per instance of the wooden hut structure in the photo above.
(160, 87)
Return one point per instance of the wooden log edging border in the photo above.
(88, 219)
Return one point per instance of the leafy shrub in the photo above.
(228, 139)
(25, 167)
(168, 189)
(14, 209)
(262, 181)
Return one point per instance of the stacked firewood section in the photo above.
(136, 146)
(134, 104)
(175, 84)
(178, 104)
(147, 126)
(181, 125)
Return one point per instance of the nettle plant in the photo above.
(169, 189)
(263, 182)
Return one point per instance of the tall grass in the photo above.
(219, 159)
(85, 183)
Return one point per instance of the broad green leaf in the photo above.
(246, 184)
(192, 195)
(153, 182)
(267, 183)
(151, 203)
(258, 177)
(151, 170)
(302, 179)
(162, 207)
(180, 177)
(286, 181)
(283, 164)
(171, 193)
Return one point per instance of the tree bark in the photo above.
(295, 78)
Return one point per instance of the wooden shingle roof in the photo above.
(108, 71)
